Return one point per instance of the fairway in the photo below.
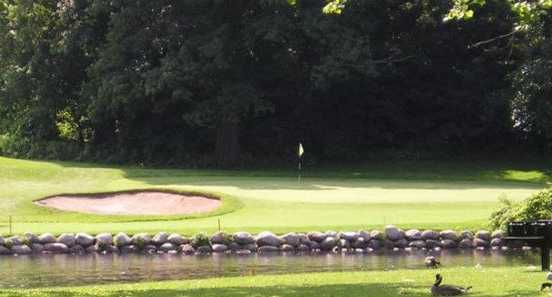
(486, 282)
(424, 197)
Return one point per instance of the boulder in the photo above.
(219, 248)
(401, 243)
(431, 244)
(376, 234)
(233, 246)
(46, 238)
(243, 252)
(140, 240)
(375, 244)
(149, 249)
(268, 249)
(160, 238)
(84, 239)
(331, 233)
(56, 248)
(37, 248)
(21, 250)
(268, 238)
(303, 248)
(121, 239)
(466, 234)
(465, 243)
(128, 249)
(388, 244)
(204, 249)
(413, 234)
(302, 237)
(291, 239)
(316, 236)
(167, 246)
(365, 235)
(393, 233)
(449, 235)
(31, 238)
(349, 236)
(287, 248)
(67, 238)
(77, 249)
(497, 234)
(430, 234)
(448, 244)
(177, 239)
(91, 249)
(328, 244)
(243, 238)
(221, 238)
(252, 247)
(497, 242)
(344, 244)
(112, 249)
(104, 239)
(360, 243)
(418, 244)
(4, 250)
(484, 235)
(313, 245)
(478, 242)
(14, 240)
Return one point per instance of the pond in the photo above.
(67, 270)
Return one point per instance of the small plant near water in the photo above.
(200, 239)
(140, 243)
(536, 207)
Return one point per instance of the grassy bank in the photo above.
(418, 194)
(486, 282)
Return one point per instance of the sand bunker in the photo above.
(136, 203)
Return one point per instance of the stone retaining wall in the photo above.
(243, 243)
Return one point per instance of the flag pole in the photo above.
(300, 153)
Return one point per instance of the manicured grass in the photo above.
(486, 282)
(410, 194)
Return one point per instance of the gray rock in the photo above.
(219, 248)
(448, 244)
(31, 238)
(204, 249)
(177, 239)
(140, 240)
(314, 245)
(316, 236)
(112, 249)
(291, 239)
(167, 246)
(497, 234)
(252, 247)
(37, 248)
(150, 249)
(413, 234)
(303, 248)
(187, 249)
(77, 250)
(220, 238)
(128, 249)
(331, 233)
(376, 234)
(4, 250)
(349, 236)
(360, 243)
(393, 233)
(91, 249)
(484, 235)
(418, 244)
(268, 238)
(84, 239)
(431, 244)
(268, 249)
(497, 242)
(328, 244)
(388, 244)
(401, 243)
(287, 248)
(466, 235)
(21, 249)
(46, 238)
(104, 239)
(465, 243)
(14, 240)
(449, 235)
(430, 234)
(365, 234)
(344, 244)
(56, 248)
(67, 238)
(121, 239)
(302, 237)
(243, 252)
(160, 238)
(375, 244)
(478, 242)
(243, 238)
(234, 246)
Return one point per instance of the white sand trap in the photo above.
(135, 203)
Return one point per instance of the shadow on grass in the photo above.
(345, 290)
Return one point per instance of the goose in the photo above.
(446, 290)
(431, 262)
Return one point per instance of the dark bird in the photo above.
(431, 262)
(446, 290)
(546, 286)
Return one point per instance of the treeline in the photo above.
(203, 82)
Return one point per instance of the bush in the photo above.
(536, 207)
(200, 239)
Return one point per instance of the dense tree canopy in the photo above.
(222, 81)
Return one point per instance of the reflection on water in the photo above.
(65, 270)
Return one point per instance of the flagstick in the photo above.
(299, 171)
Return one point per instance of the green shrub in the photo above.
(200, 239)
(536, 207)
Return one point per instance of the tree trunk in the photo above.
(227, 149)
